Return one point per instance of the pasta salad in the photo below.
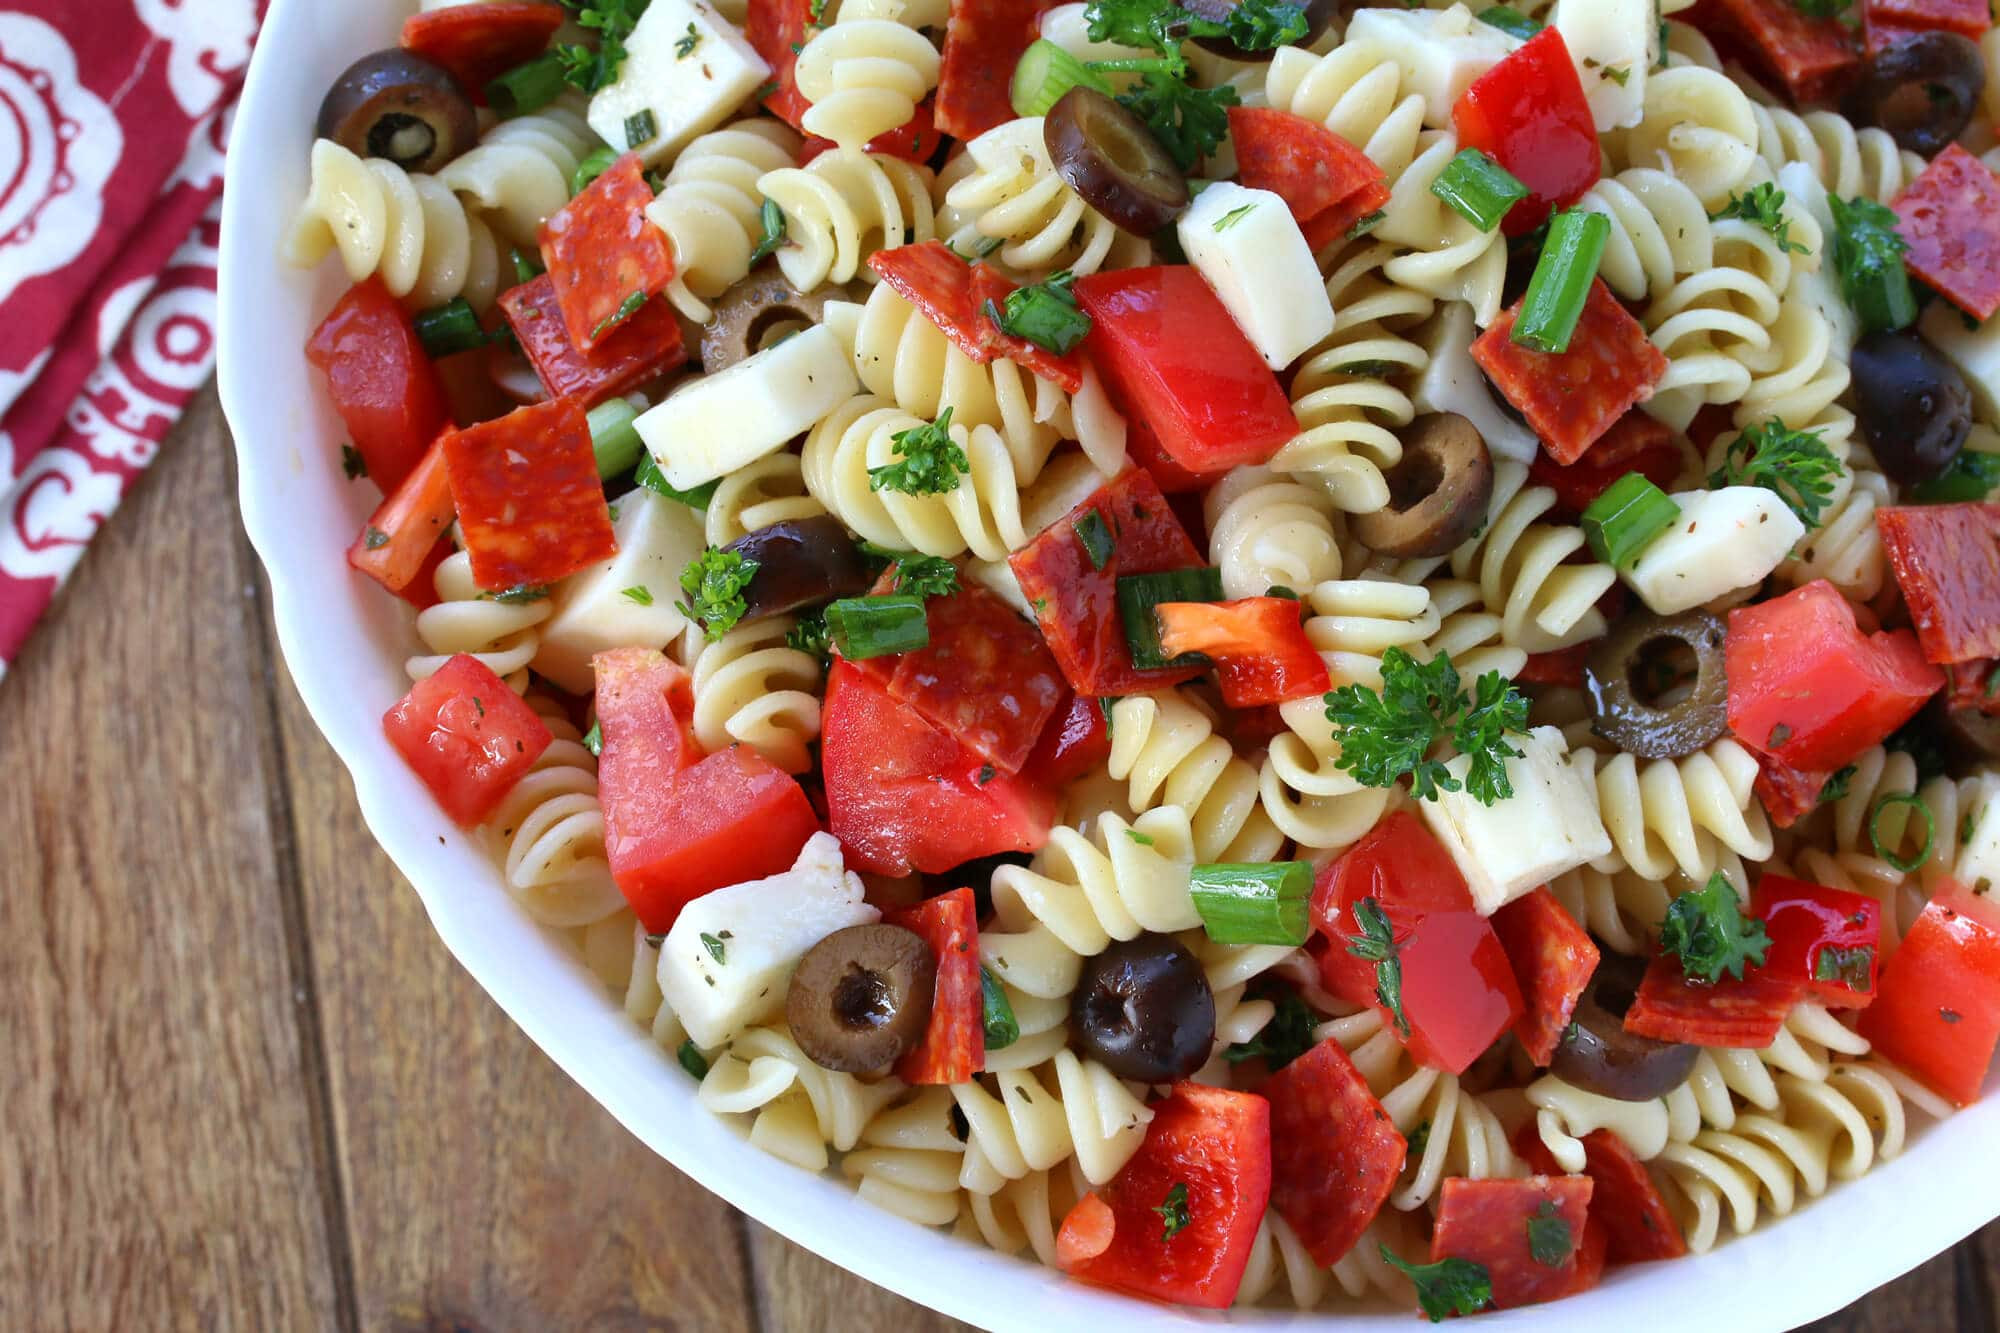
(1273, 653)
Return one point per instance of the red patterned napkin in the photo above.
(113, 115)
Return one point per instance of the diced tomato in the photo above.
(1170, 352)
(952, 295)
(1813, 57)
(1314, 170)
(603, 255)
(1211, 1147)
(777, 30)
(1572, 399)
(380, 380)
(986, 678)
(1635, 442)
(1950, 216)
(644, 346)
(915, 140)
(1974, 684)
(1076, 601)
(1626, 1208)
(902, 795)
(645, 715)
(1075, 741)
(1553, 960)
(1496, 1223)
(398, 541)
(1788, 794)
(983, 41)
(1806, 686)
(1937, 1014)
(1335, 1153)
(1529, 114)
(468, 736)
(1459, 993)
(530, 505)
(990, 291)
(1968, 18)
(476, 44)
(1946, 559)
(421, 591)
(954, 1045)
(1258, 645)
(1144, 448)
(1743, 1014)
(1564, 666)
(1827, 940)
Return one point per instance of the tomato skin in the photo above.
(468, 736)
(1259, 646)
(1808, 688)
(1075, 741)
(1459, 992)
(1937, 1010)
(1529, 114)
(954, 1045)
(398, 546)
(476, 44)
(1486, 1222)
(1335, 1153)
(1803, 919)
(381, 382)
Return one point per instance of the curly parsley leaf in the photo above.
(1387, 734)
(809, 636)
(1377, 944)
(1284, 1039)
(1835, 787)
(1189, 122)
(1497, 708)
(591, 68)
(1795, 465)
(1549, 1239)
(1447, 1287)
(1173, 1211)
(714, 582)
(932, 461)
(1868, 256)
(1706, 929)
(1763, 204)
(926, 575)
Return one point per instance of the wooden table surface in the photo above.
(244, 1086)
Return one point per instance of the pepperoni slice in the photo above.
(530, 505)
(1745, 1015)
(986, 677)
(1946, 559)
(1314, 170)
(1553, 960)
(476, 44)
(1573, 398)
(983, 41)
(1526, 1234)
(1950, 215)
(1812, 57)
(954, 1045)
(1335, 1154)
(602, 253)
(646, 345)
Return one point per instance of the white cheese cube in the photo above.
(761, 929)
(657, 538)
(1439, 51)
(1246, 245)
(1452, 382)
(1723, 540)
(1512, 847)
(1976, 353)
(717, 423)
(1614, 44)
(686, 94)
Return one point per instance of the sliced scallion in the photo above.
(527, 265)
(1971, 476)
(1095, 535)
(593, 165)
(648, 474)
(640, 127)
(1561, 284)
(1510, 21)
(1622, 522)
(1262, 903)
(528, 87)
(1138, 594)
(1044, 74)
(612, 437)
(1043, 313)
(1888, 853)
(863, 627)
(1478, 189)
(450, 328)
(1002, 1028)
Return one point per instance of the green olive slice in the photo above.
(398, 106)
(1109, 157)
(1656, 684)
(1438, 491)
(861, 997)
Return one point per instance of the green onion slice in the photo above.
(1888, 854)
(527, 265)
(1622, 522)
(1002, 1028)
(1510, 21)
(879, 626)
(1044, 74)
(1264, 903)
(528, 87)
(590, 168)
(449, 329)
(1138, 594)
(1479, 189)
(1043, 313)
(613, 438)
(648, 474)
(1561, 284)
(1095, 534)
(640, 127)
(1971, 476)
(692, 1060)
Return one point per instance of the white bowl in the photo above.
(344, 642)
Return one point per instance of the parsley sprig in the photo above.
(932, 461)
(714, 582)
(1447, 1287)
(592, 68)
(1189, 122)
(926, 575)
(1377, 944)
(1705, 928)
(1388, 734)
(1173, 1211)
(1795, 465)
(1549, 1239)
(1284, 1039)
(1763, 204)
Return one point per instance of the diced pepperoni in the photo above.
(1878, 35)
(1333, 226)
(982, 43)
(1335, 1154)
(1553, 960)
(1066, 372)
(915, 140)
(1626, 1208)
(1501, 1224)
(777, 29)
(1975, 685)
(602, 252)
(1950, 215)
(530, 505)
(646, 345)
(1946, 559)
(1813, 57)
(1313, 169)
(476, 44)
(954, 1045)
(1746, 1014)
(1636, 442)
(1968, 18)
(986, 677)
(1572, 398)
(1788, 794)
(939, 284)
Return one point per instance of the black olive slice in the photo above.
(1108, 156)
(400, 107)
(1647, 658)
(861, 997)
(1922, 89)
(800, 562)
(1915, 409)
(1438, 491)
(1319, 17)
(755, 313)
(1143, 1009)
(1598, 1055)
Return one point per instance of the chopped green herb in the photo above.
(1763, 204)
(373, 538)
(1820, 9)
(352, 463)
(926, 575)
(1377, 944)
(1846, 966)
(1510, 21)
(1420, 1139)
(1234, 216)
(1549, 1239)
(1835, 787)
(692, 1060)
(627, 308)
(1387, 735)
(1189, 122)
(1173, 1211)
(1043, 313)
(1972, 475)
(1906, 864)
(717, 946)
(1002, 1028)
(1707, 930)
(638, 593)
(809, 636)
(1447, 1287)
(1868, 256)
(521, 594)
(1367, 223)
(985, 246)
(772, 218)
(1795, 465)
(986, 774)
(714, 582)
(1160, 25)
(1284, 1039)
(592, 69)
(1143, 839)
(684, 46)
(932, 461)
(593, 740)
(648, 474)
(1095, 534)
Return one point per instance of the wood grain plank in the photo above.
(798, 1291)
(1924, 1299)
(158, 1162)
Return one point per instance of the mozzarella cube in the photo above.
(1976, 353)
(760, 929)
(717, 423)
(630, 599)
(1510, 848)
(687, 90)
(1246, 245)
(1439, 51)
(1452, 382)
(1614, 44)
(1723, 540)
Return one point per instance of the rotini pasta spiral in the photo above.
(909, 1160)
(1849, 162)
(864, 77)
(1698, 127)
(801, 1109)
(753, 497)
(750, 687)
(1265, 530)
(1684, 814)
(1659, 231)
(1004, 188)
(1088, 891)
(1029, 1127)
(1167, 751)
(551, 828)
(519, 173)
(1355, 91)
(1025, 1213)
(1447, 257)
(843, 206)
(709, 208)
(467, 619)
(1621, 908)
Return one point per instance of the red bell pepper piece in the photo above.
(1564, 666)
(1170, 354)
(1553, 960)
(1075, 741)
(1076, 601)
(1327, 182)
(1258, 644)
(399, 541)
(468, 736)
(380, 380)
(1950, 216)
(644, 346)
(1213, 1145)
(1827, 940)
(1458, 989)
(1572, 399)
(1813, 57)
(1746, 1014)
(1974, 684)
(1937, 1012)
(1807, 687)
(983, 41)
(605, 259)
(1626, 1207)
(476, 44)
(1529, 114)
(954, 1045)
(1335, 1154)
(1946, 559)
(1635, 442)
(1788, 794)
(530, 505)
(902, 795)
(1496, 1224)
(777, 29)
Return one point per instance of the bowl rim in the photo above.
(1896, 1216)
